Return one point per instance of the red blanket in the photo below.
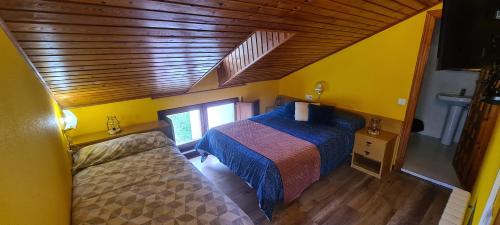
(298, 161)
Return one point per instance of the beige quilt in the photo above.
(158, 186)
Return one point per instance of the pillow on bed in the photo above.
(301, 111)
(320, 114)
(118, 148)
(347, 120)
(289, 110)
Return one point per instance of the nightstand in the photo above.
(372, 154)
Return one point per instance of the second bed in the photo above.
(281, 157)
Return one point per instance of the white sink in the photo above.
(457, 105)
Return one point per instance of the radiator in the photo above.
(454, 212)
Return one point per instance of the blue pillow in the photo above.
(347, 120)
(319, 114)
(287, 110)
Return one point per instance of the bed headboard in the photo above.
(388, 124)
(164, 126)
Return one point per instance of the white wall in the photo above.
(429, 109)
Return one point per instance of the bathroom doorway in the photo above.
(439, 117)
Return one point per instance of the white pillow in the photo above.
(301, 111)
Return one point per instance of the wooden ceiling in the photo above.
(96, 51)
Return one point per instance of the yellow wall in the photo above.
(487, 175)
(369, 76)
(35, 178)
(93, 118)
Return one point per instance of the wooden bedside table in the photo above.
(373, 154)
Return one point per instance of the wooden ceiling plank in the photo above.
(120, 91)
(359, 7)
(172, 57)
(121, 79)
(126, 89)
(123, 71)
(430, 2)
(300, 39)
(326, 8)
(28, 36)
(57, 18)
(107, 71)
(262, 9)
(122, 66)
(182, 7)
(103, 30)
(99, 51)
(394, 6)
(103, 85)
(106, 88)
(139, 13)
(305, 43)
(310, 48)
(111, 83)
(85, 78)
(120, 45)
(368, 6)
(414, 4)
(118, 74)
(170, 61)
(326, 37)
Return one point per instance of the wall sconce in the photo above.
(69, 120)
(319, 88)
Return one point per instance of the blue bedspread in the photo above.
(333, 142)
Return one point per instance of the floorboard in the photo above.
(345, 197)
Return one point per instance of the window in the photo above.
(191, 122)
(221, 114)
(187, 126)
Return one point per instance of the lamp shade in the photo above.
(69, 119)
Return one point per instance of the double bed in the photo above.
(281, 157)
(144, 179)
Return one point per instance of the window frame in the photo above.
(162, 114)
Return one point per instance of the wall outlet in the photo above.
(309, 97)
(401, 101)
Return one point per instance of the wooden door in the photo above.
(244, 110)
(476, 135)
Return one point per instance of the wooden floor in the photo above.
(344, 197)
